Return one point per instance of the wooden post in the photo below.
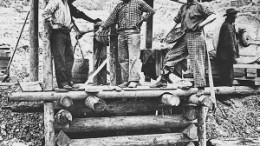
(34, 44)
(115, 72)
(49, 124)
(202, 114)
(48, 86)
(100, 54)
(149, 28)
(47, 66)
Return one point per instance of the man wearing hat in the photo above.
(193, 17)
(227, 49)
(58, 14)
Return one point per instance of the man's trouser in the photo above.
(129, 54)
(63, 56)
(226, 72)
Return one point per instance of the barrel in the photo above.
(4, 58)
(80, 70)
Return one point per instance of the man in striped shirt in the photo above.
(58, 14)
(128, 15)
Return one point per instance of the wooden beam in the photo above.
(149, 28)
(137, 140)
(47, 57)
(49, 124)
(34, 42)
(48, 85)
(115, 72)
(125, 123)
(202, 115)
(142, 93)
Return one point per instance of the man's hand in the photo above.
(78, 35)
(234, 61)
(97, 20)
(139, 24)
(99, 30)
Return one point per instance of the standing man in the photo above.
(128, 16)
(58, 13)
(227, 50)
(193, 17)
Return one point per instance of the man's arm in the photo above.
(208, 14)
(79, 14)
(146, 8)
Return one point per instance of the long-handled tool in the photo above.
(211, 84)
(7, 71)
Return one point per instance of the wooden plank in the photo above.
(137, 140)
(125, 123)
(34, 43)
(30, 86)
(252, 66)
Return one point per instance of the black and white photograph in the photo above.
(129, 72)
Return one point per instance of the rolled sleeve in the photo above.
(50, 9)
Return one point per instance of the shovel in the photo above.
(7, 71)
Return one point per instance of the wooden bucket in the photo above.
(102, 37)
(4, 58)
(80, 70)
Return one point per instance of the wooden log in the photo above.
(191, 132)
(49, 124)
(34, 43)
(190, 111)
(204, 100)
(62, 139)
(138, 140)
(63, 117)
(95, 103)
(202, 114)
(171, 100)
(151, 93)
(125, 123)
(235, 142)
(78, 109)
(66, 102)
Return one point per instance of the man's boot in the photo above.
(162, 83)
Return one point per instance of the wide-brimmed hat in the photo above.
(231, 11)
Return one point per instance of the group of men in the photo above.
(128, 15)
